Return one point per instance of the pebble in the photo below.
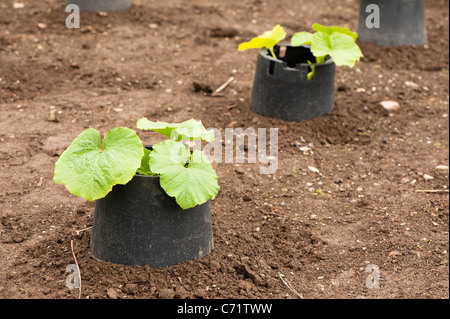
(395, 253)
(112, 293)
(53, 116)
(18, 5)
(427, 177)
(304, 149)
(442, 167)
(313, 169)
(411, 85)
(390, 105)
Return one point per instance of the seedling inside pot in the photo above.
(90, 169)
(335, 42)
(187, 176)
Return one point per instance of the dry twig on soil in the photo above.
(289, 286)
(78, 268)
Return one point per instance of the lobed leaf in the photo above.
(341, 47)
(89, 171)
(267, 40)
(301, 38)
(190, 178)
(331, 30)
(189, 130)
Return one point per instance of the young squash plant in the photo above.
(90, 169)
(187, 176)
(335, 42)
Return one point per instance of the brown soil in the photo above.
(142, 62)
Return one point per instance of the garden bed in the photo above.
(316, 229)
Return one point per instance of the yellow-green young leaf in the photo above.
(90, 171)
(190, 178)
(267, 40)
(341, 47)
(330, 30)
(301, 38)
(189, 130)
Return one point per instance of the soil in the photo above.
(316, 232)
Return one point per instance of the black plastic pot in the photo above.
(281, 88)
(139, 224)
(402, 22)
(100, 5)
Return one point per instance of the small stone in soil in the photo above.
(313, 169)
(390, 105)
(112, 293)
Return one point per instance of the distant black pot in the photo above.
(100, 5)
(281, 88)
(402, 22)
(139, 224)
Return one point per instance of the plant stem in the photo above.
(273, 53)
(321, 59)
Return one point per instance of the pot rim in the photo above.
(265, 53)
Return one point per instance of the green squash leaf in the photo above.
(331, 30)
(266, 40)
(189, 130)
(341, 47)
(190, 178)
(301, 38)
(89, 171)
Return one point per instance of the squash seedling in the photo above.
(335, 42)
(89, 168)
(298, 83)
(187, 176)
